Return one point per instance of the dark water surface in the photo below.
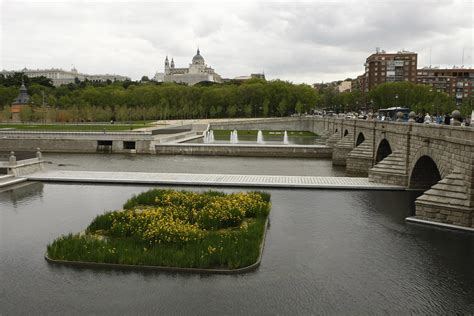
(326, 252)
(194, 164)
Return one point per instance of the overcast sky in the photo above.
(299, 41)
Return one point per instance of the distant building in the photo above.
(61, 77)
(197, 71)
(384, 67)
(457, 82)
(345, 86)
(20, 102)
(159, 77)
(244, 78)
(258, 76)
(326, 85)
(358, 84)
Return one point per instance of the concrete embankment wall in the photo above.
(245, 150)
(76, 142)
(288, 123)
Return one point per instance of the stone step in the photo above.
(362, 151)
(450, 191)
(345, 142)
(449, 188)
(387, 170)
(389, 166)
(442, 200)
(392, 169)
(386, 165)
(334, 138)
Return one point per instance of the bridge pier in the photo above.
(447, 202)
(360, 159)
(391, 170)
(341, 149)
(333, 139)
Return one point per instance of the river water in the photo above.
(193, 164)
(326, 252)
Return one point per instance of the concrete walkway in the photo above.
(230, 180)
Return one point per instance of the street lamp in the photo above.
(396, 100)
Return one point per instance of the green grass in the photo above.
(232, 247)
(74, 127)
(226, 133)
(234, 251)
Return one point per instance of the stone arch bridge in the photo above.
(436, 159)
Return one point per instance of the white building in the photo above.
(60, 76)
(197, 71)
(345, 86)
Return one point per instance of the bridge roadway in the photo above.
(227, 180)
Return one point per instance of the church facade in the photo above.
(197, 71)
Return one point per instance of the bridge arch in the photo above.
(424, 163)
(425, 174)
(346, 132)
(383, 150)
(360, 139)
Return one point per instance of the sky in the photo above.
(299, 41)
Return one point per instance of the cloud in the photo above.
(302, 41)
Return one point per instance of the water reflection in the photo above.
(24, 192)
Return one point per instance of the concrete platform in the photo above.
(228, 180)
(8, 180)
(413, 219)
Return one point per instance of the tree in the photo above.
(6, 113)
(248, 110)
(145, 78)
(282, 107)
(298, 107)
(7, 95)
(266, 108)
(231, 110)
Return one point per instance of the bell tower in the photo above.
(167, 65)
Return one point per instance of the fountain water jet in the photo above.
(285, 138)
(259, 137)
(208, 137)
(234, 138)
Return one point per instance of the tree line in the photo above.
(417, 97)
(85, 101)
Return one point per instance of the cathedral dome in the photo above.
(198, 59)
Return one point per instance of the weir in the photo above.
(226, 180)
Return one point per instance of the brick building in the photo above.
(457, 82)
(384, 67)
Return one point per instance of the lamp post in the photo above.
(396, 100)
